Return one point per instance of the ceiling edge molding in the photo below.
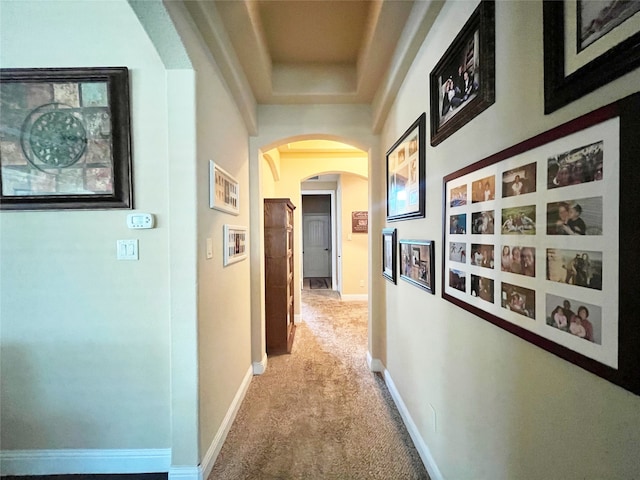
(225, 59)
(421, 19)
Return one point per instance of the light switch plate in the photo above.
(209, 248)
(127, 249)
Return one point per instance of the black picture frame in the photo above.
(389, 254)
(66, 139)
(405, 162)
(472, 53)
(561, 88)
(417, 263)
(608, 344)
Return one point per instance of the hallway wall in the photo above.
(85, 337)
(485, 403)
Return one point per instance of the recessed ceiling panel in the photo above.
(327, 31)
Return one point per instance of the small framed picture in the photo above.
(235, 244)
(406, 174)
(224, 190)
(389, 254)
(417, 263)
(462, 84)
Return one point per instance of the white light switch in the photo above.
(127, 250)
(209, 248)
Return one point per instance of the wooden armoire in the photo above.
(278, 266)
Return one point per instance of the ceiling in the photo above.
(279, 52)
(308, 51)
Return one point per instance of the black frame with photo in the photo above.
(561, 89)
(405, 162)
(614, 277)
(416, 268)
(390, 254)
(481, 28)
(59, 150)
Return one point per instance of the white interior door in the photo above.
(316, 238)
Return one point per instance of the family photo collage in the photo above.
(527, 240)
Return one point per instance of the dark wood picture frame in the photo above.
(561, 89)
(66, 141)
(390, 254)
(405, 162)
(472, 53)
(417, 263)
(615, 356)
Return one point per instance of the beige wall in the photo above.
(487, 404)
(85, 337)
(355, 246)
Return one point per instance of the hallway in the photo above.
(320, 412)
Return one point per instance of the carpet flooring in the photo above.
(320, 413)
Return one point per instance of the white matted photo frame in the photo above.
(234, 244)
(417, 263)
(550, 253)
(406, 174)
(224, 190)
(587, 44)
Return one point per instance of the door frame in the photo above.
(335, 280)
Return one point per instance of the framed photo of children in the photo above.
(538, 240)
(417, 263)
(587, 44)
(462, 84)
(389, 254)
(406, 174)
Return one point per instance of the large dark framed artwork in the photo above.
(406, 174)
(549, 252)
(65, 139)
(417, 263)
(587, 44)
(389, 254)
(462, 84)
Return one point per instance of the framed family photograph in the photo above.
(462, 84)
(587, 44)
(560, 269)
(235, 244)
(389, 254)
(417, 263)
(406, 174)
(65, 140)
(224, 190)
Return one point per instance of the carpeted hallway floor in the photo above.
(320, 413)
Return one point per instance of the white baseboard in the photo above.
(418, 441)
(186, 473)
(355, 297)
(260, 367)
(216, 445)
(375, 364)
(66, 462)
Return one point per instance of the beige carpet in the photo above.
(320, 413)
